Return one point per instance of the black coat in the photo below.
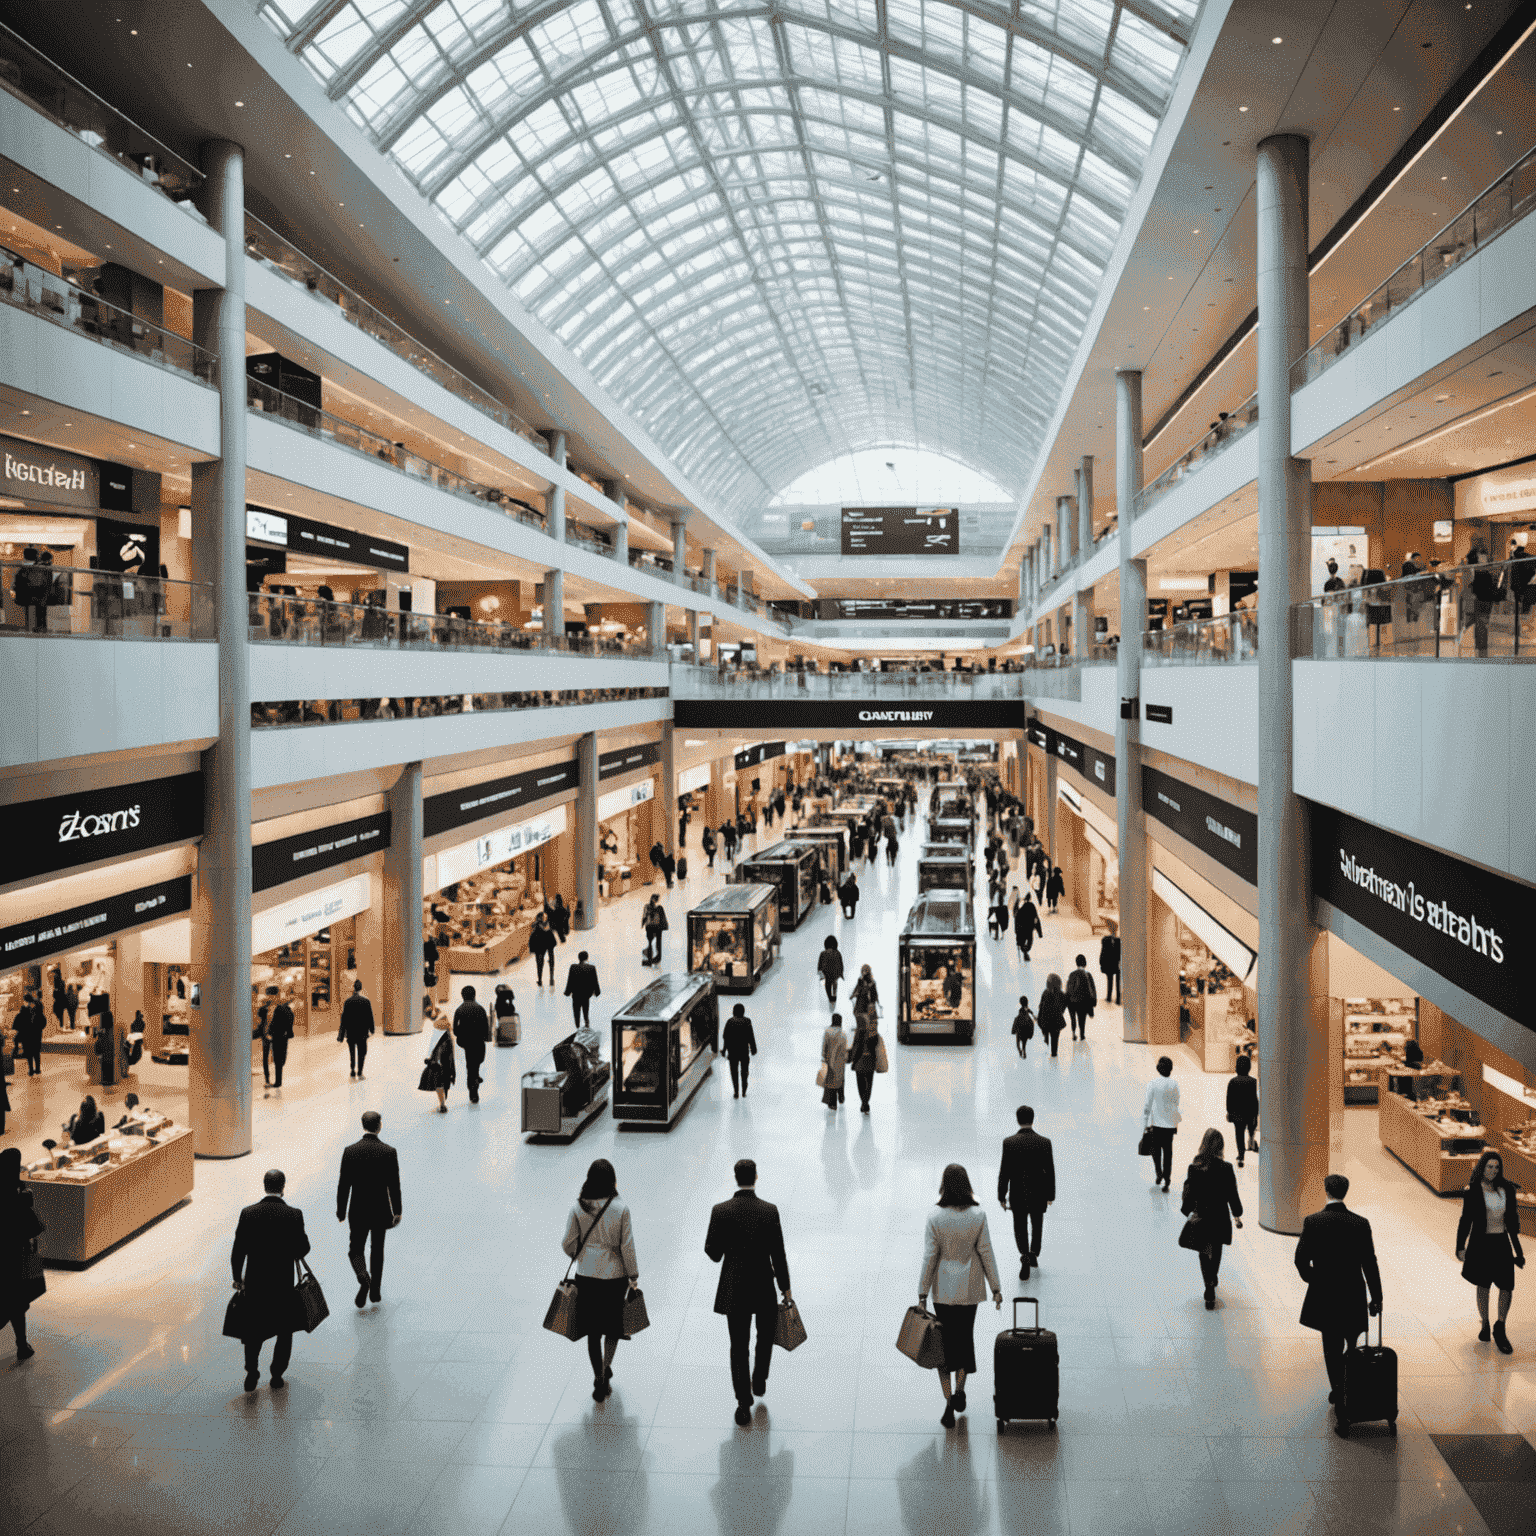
(542, 940)
(1026, 922)
(848, 892)
(1337, 1258)
(280, 1025)
(746, 1240)
(19, 1224)
(1242, 1100)
(471, 1028)
(1474, 1214)
(737, 1040)
(1109, 954)
(356, 1018)
(581, 981)
(1210, 1192)
(369, 1187)
(269, 1241)
(1026, 1177)
(1051, 1015)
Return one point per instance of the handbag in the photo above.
(882, 1059)
(921, 1338)
(636, 1318)
(1145, 1145)
(788, 1330)
(1193, 1234)
(31, 1262)
(235, 1315)
(821, 1075)
(561, 1316)
(312, 1308)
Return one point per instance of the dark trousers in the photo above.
(830, 983)
(581, 1011)
(538, 961)
(279, 1058)
(1079, 1021)
(281, 1354)
(1335, 1348)
(357, 1054)
(473, 1061)
(740, 1324)
(34, 1054)
(1112, 991)
(371, 1275)
(741, 1067)
(1243, 1135)
(266, 1060)
(1054, 1036)
(1162, 1152)
(865, 1078)
(653, 946)
(1210, 1265)
(1027, 1229)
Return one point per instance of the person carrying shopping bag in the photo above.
(600, 1238)
(868, 1055)
(834, 1059)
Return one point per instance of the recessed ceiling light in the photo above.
(1194, 231)
(1242, 109)
(1281, 39)
(239, 103)
(1397, 109)
(26, 413)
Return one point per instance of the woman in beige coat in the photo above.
(834, 1058)
(957, 1269)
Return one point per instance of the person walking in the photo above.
(1026, 926)
(668, 868)
(1243, 1107)
(269, 1242)
(440, 1070)
(1023, 1028)
(866, 995)
(560, 918)
(30, 1022)
(1336, 1258)
(581, 986)
(848, 894)
(707, 842)
(892, 844)
(654, 921)
(1160, 1115)
(957, 1267)
(472, 1029)
(728, 837)
(834, 1060)
(746, 1239)
(356, 1026)
(600, 1237)
(1081, 997)
(1209, 1195)
(1055, 887)
(280, 1032)
(1051, 1015)
(504, 1006)
(368, 1199)
(830, 965)
(19, 1228)
(866, 1054)
(1109, 964)
(1026, 1184)
(541, 945)
(1488, 1243)
(658, 858)
(738, 1045)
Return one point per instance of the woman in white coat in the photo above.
(957, 1269)
(1160, 1115)
(600, 1237)
(834, 1059)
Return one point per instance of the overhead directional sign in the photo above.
(901, 530)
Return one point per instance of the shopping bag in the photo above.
(1193, 1235)
(821, 1075)
(312, 1308)
(1144, 1146)
(31, 1262)
(561, 1317)
(234, 1316)
(636, 1318)
(788, 1330)
(921, 1338)
(882, 1060)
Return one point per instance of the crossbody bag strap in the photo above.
(590, 1230)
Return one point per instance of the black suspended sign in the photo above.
(1095, 766)
(127, 548)
(1160, 714)
(901, 531)
(1226, 832)
(474, 802)
(943, 717)
(304, 535)
(749, 756)
(27, 943)
(626, 759)
(917, 608)
(1468, 925)
(287, 858)
(44, 836)
(1039, 735)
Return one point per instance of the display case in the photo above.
(945, 867)
(951, 829)
(1426, 1122)
(792, 868)
(833, 841)
(951, 798)
(733, 935)
(489, 917)
(936, 961)
(567, 1089)
(664, 1044)
(1376, 1031)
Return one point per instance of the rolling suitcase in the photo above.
(1370, 1382)
(509, 1029)
(1026, 1371)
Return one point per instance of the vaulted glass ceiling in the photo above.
(779, 233)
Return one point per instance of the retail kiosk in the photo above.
(664, 1044)
(733, 935)
(568, 1088)
(791, 867)
(951, 799)
(833, 841)
(945, 867)
(937, 971)
(951, 829)
(1427, 1123)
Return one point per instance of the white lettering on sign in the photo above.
(896, 714)
(1226, 834)
(75, 826)
(53, 475)
(1439, 915)
(266, 526)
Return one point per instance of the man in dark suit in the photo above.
(472, 1029)
(356, 1026)
(369, 1194)
(738, 1045)
(746, 1240)
(269, 1241)
(581, 987)
(1026, 1182)
(280, 1032)
(1337, 1258)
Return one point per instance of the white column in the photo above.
(585, 809)
(680, 550)
(1132, 836)
(1085, 507)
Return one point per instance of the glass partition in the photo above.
(63, 600)
(1219, 436)
(1229, 637)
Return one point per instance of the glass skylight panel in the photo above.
(1148, 56)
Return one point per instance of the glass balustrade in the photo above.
(735, 682)
(1219, 436)
(83, 602)
(1230, 637)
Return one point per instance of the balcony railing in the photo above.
(273, 714)
(1218, 438)
(61, 601)
(1489, 214)
(1053, 677)
(1226, 638)
(1450, 613)
(25, 285)
(691, 682)
(278, 618)
(35, 79)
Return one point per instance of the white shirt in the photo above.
(1494, 1201)
(1162, 1104)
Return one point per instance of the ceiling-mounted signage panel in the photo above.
(66, 831)
(854, 718)
(1227, 832)
(901, 530)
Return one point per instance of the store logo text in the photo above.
(1438, 914)
(75, 826)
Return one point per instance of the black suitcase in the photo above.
(1026, 1371)
(1370, 1382)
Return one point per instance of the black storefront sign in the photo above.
(27, 943)
(626, 759)
(750, 756)
(474, 802)
(1467, 924)
(31, 472)
(1040, 735)
(916, 608)
(900, 531)
(854, 719)
(63, 832)
(1160, 714)
(1095, 766)
(114, 486)
(305, 535)
(287, 858)
(1226, 832)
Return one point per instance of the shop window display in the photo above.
(1426, 1121)
(733, 935)
(664, 1044)
(567, 1089)
(937, 969)
(1376, 1034)
(1217, 1010)
(486, 918)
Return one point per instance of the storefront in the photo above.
(630, 818)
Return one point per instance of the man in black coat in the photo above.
(356, 1026)
(1336, 1256)
(1026, 926)
(30, 1022)
(746, 1240)
(269, 1241)
(1026, 1182)
(472, 1029)
(581, 986)
(1082, 995)
(368, 1196)
(1109, 964)
(738, 1045)
(280, 1032)
(848, 895)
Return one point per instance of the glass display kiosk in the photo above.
(944, 867)
(664, 1044)
(950, 799)
(733, 935)
(792, 868)
(937, 971)
(567, 1089)
(833, 841)
(951, 829)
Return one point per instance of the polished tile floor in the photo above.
(448, 1408)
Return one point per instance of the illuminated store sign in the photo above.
(304, 915)
(304, 535)
(943, 717)
(43, 836)
(33, 473)
(617, 801)
(287, 858)
(455, 864)
(475, 802)
(29, 942)
(1226, 832)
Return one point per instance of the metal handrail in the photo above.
(1227, 637)
(63, 601)
(1216, 439)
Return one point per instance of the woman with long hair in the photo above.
(1210, 1192)
(866, 995)
(600, 1237)
(834, 1061)
(957, 1268)
(87, 1123)
(1488, 1243)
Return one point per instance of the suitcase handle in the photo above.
(1034, 1303)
